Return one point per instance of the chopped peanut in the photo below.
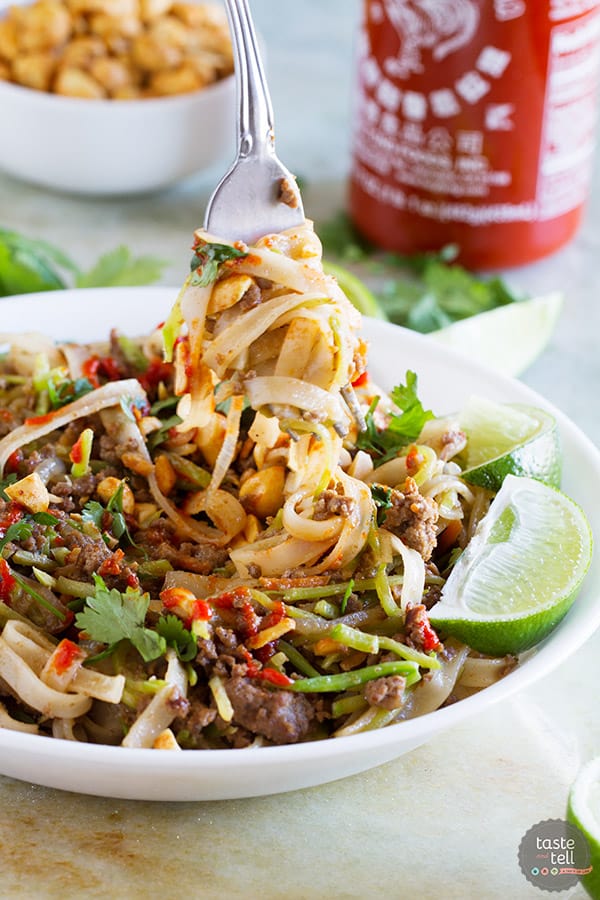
(166, 741)
(262, 493)
(226, 293)
(209, 438)
(145, 513)
(115, 49)
(251, 528)
(109, 486)
(77, 83)
(30, 492)
(165, 474)
(137, 463)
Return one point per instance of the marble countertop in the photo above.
(446, 819)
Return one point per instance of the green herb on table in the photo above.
(424, 291)
(28, 265)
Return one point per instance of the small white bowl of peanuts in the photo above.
(114, 97)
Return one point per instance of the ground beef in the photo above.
(280, 716)
(86, 553)
(413, 518)
(452, 442)
(432, 594)
(74, 492)
(35, 459)
(386, 693)
(252, 298)
(199, 716)
(287, 194)
(112, 450)
(160, 542)
(418, 630)
(333, 503)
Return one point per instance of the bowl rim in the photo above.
(564, 641)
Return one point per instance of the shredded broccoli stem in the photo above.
(81, 467)
(297, 659)
(423, 659)
(346, 705)
(196, 475)
(382, 586)
(346, 680)
(326, 609)
(357, 640)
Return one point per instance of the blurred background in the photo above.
(308, 48)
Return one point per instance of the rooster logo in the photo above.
(443, 26)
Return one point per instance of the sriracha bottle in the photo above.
(474, 124)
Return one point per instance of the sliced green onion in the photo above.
(326, 609)
(422, 659)
(296, 658)
(346, 596)
(84, 441)
(172, 327)
(357, 640)
(155, 567)
(44, 578)
(346, 680)
(25, 558)
(198, 476)
(73, 588)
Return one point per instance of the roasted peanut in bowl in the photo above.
(114, 97)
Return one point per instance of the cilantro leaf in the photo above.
(93, 512)
(382, 497)
(18, 531)
(28, 265)
(62, 391)
(110, 617)
(119, 267)
(402, 429)
(177, 636)
(10, 479)
(207, 259)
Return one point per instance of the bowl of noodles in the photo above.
(191, 555)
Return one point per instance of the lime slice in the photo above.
(508, 439)
(509, 338)
(355, 290)
(519, 573)
(583, 811)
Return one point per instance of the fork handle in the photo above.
(255, 120)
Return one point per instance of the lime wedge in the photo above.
(583, 811)
(509, 338)
(519, 573)
(508, 439)
(355, 290)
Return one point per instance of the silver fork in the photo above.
(258, 195)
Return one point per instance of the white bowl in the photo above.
(445, 380)
(114, 146)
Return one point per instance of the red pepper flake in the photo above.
(7, 581)
(265, 652)
(65, 655)
(76, 454)
(41, 420)
(12, 514)
(113, 564)
(274, 677)
(361, 380)
(12, 463)
(156, 372)
(201, 610)
(249, 619)
(89, 370)
(6, 415)
(414, 459)
(274, 617)
(253, 667)
(132, 580)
